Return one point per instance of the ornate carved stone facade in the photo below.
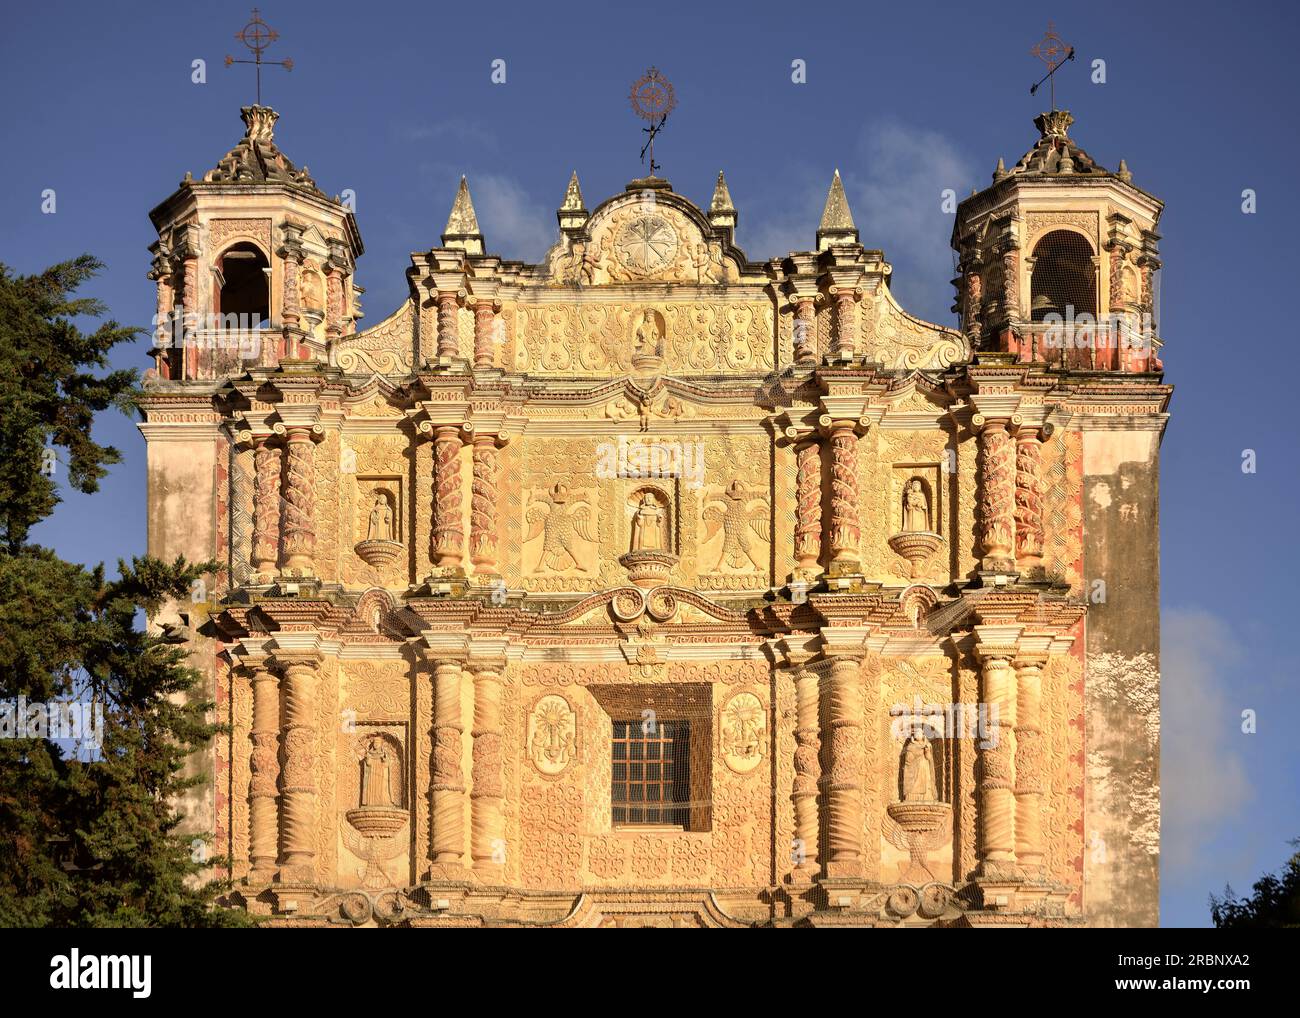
(488, 566)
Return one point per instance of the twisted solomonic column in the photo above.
(449, 323)
(264, 773)
(268, 467)
(846, 322)
(845, 525)
(1029, 762)
(298, 779)
(997, 755)
(807, 771)
(805, 330)
(447, 788)
(1029, 498)
(448, 529)
(808, 494)
(842, 780)
(997, 495)
(298, 514)
(483, 504)
(485, 329)
(487, 791)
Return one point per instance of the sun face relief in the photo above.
(647, 244)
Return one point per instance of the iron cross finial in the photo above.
(653, 98)
(257, 35)
(1053, 51)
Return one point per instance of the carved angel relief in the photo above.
(566, 526)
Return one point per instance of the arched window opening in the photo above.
(244, 288)
(1063, 282)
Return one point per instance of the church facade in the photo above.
(655, 585)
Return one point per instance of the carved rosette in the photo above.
(447, 789)
(1029, 763)
(1029, 498)
(487, 819)
(298, 780)
(997, 808)
(448, 533)
(264, 770)
(483, 505)
(298, 520)
(448, 324)
(807, 769)
(267, 468)
(845, 761)
(808, 525)
(846, 530)
(997, 500)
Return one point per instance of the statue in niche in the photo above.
(916, 507)
(381, 519)
(313, 291)
(377, 774)
(918, 769)
(648, 524)
(648, 337)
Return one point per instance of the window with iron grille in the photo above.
(651, 772)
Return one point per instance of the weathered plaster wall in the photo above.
(1122, 687)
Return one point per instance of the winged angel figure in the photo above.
(731, 513)
(559, 524)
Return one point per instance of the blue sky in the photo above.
(395, 102)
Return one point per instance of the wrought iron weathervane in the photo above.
(1053, 51)
(257, 35)
(653, 99)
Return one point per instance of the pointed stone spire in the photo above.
(462, 225)
(572, 212)
(1000, 171)
(722, 213)
(837, 225)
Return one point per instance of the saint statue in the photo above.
(916, 507)
(648, 525)
(648, 337)
(918, 769)
(381, 520)
(376, 774)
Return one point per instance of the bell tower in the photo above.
(1058, 279)
(1058, 260)
(253, 264)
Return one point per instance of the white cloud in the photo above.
(1204, 779)
(514, 224)
(896, 193)
(894, 181)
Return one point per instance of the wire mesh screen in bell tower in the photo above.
(1063, 282)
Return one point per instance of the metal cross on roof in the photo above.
(257, 35)
(653, 98)
(1053, 51)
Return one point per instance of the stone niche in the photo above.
(375, 796)
(378, 528)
